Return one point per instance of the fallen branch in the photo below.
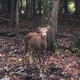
(65, 35)
(4, 19)
(3, 15)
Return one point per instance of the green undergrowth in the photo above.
(75, 47)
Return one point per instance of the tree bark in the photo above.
(45, 13)
(66, 6)
(17, 19)
(21, 5)
(77, 4)
(53, 22)
(9, 6)
(39, 6)
(3, 6)
(12, 17)
(28, 9)
(34, 11)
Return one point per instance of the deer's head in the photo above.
(44, 31)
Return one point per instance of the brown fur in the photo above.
(27, 38)
(37, 43)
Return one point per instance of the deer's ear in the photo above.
(48, 27)
(39, 28)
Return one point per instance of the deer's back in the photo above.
(29, 36)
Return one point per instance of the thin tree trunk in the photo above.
(77, 4)
(45, 12)
(9, 6)
(17, 19)
(21, 5)
(12, 17)
(3, 6)
(39, 6)
(66, 6)
(28, 9)
(34, 7)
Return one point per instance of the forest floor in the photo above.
(16, 66)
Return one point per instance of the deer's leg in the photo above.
(39, 56)
(26, 47)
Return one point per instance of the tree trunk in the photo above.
(28, 9)
(34, 11)
(21, 5)
(54, 19)
(45, 13)
(9, 6)
(77, 4)
(39, 6)
(12, 17)
(17, 19)
(3, 6)
(66, 6)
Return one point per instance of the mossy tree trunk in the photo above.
(53, 22)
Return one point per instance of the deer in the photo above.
(36, 41)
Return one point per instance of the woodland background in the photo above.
(62, 60)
